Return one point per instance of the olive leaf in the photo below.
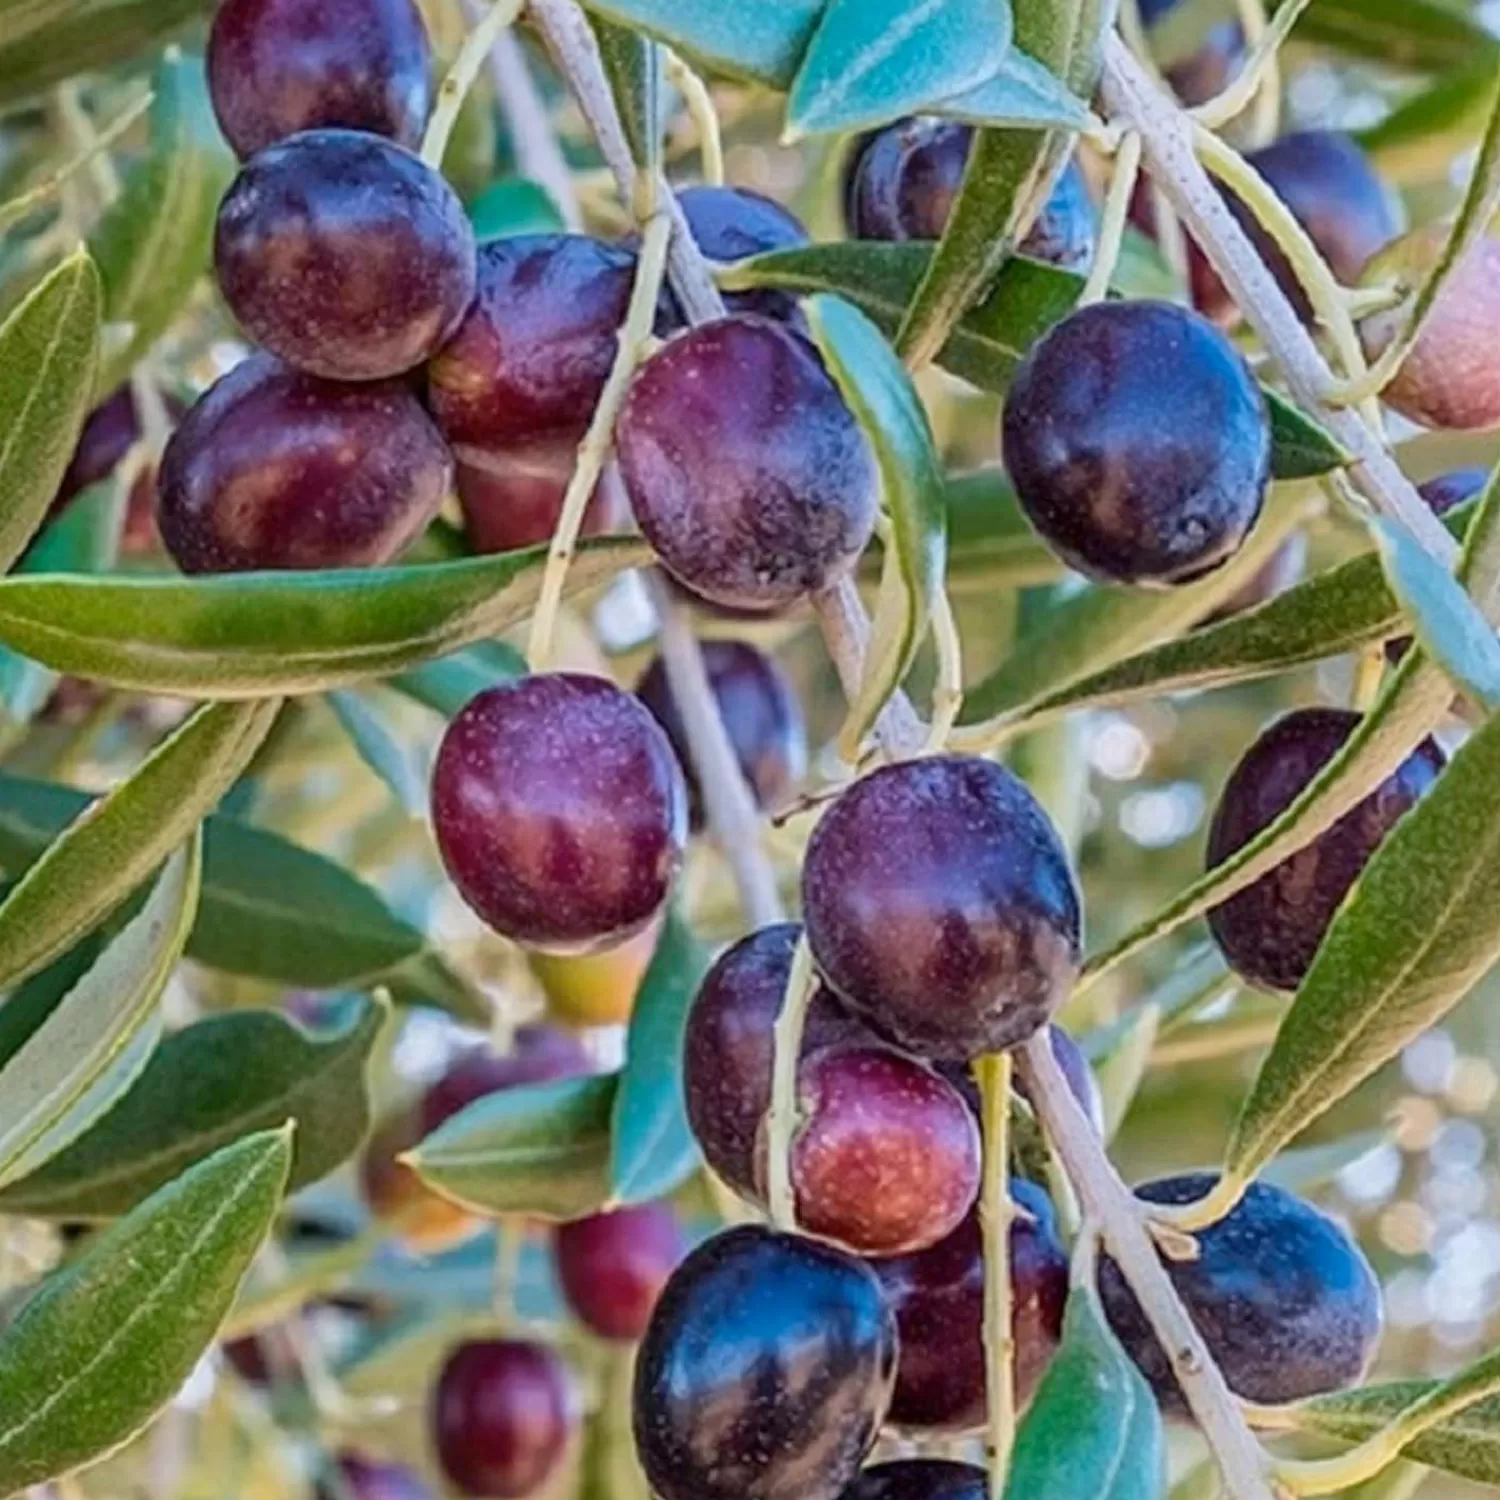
(255, 635)
(1418, 139)
(991, 544)
(760, 43)
(380, 746)
(49, 351)
(156, 239)
(632, 64)
(208, 1085)
(112, 847)
(448, 683)
(1423, 35)
(542, 1149)
(652, 1150)
(1020, 94)
(1093, 1428)
(1122, 1070)
(880, 394)
(513, 205)
(103, 1345)
(870, 61)
(83, 1057)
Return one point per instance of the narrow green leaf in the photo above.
(1087, 630)
(208, 1085)
(1024, 299)
(991, 544)
(870, 61)
(80, 1060)
(1122, 1069)
(1093, 1428)
(1418, 140)
(447, 684)
(254, 635)
(759, 43)
(380, 747)
(156, 240)
(1423, 35)
(49, 352)
(632, 64)
(652, 1150)
(1310, 1167)
(112, 847)
(514, 205)
(1445, 619)
(543, 1149)
(106, 1343)
(879, 392)
(1021, 94)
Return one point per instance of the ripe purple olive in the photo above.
(937, 1296)
(1451, 378)
(765, 1373)
(940, 907)
(503, 1415)
(733, 223)
(512, 497)
(902, 182)
(747, 472)
(360, 1478)
(533, 351)
(760, 712)
(279, 66)
(276, 469)
(345, 254)
(885, 1156)
(920, 1479)
(727, 1049)
(1284, 1299)
(1211, 67)
(612, 1266)
(1139, 443)
(1270, 932)
(560, 811)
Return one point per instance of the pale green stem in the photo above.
(510, 1242)
(460, 77)
(781, 1118)
(995, 1213)
(1253, 23)
(84, 139)
(948, 694)
(705, 118)
(1369, 673)
(1122, 182)
(594, 451)
(1258, 77)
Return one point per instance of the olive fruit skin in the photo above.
(503, 1414)
(512, 497)
(885, 1157)
(345, 254)
(560, 811)
(276, 67)
(727, 1047)
(920, 1479)
(361, 1478)
(940, 907)
(535, 347)
(765, 1373)
(1270, 932)
(937, 1296)
(760, 712)
(747, 472)
(903, 180)
(273, 468)
(734, 223)
(1139, 443)
(1209, 70)
(1284, 1299)
(612, 1266)
(1451, 378)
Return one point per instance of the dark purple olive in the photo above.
(1138, 442)
(612, 1266)
(360, 1478)
(937, 1296)
(1270, 931)
(276, 469)
(279, 66)
(747, 472)
(765, 1373)
(940, 906)
(734, 223)
(920, 1479)
(560, 811)
(345, 254)
(760, 712)
(1284, 1299)
(1211, 67)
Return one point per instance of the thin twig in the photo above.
(1106, 1200)
(459, 78)
(700, 108)
(1125, 171)
(846, 633)
(995, 1212)
(781, 1116)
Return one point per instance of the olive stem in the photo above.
(1267, 92)
(781, 1117)
(995, 1214)
(948, 693)
(1127, 166)
(1119, 1215)
(728, 801)
(1258, 75)
(1131, 97)
(594, 450)
(459, 79)
(700, 107)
